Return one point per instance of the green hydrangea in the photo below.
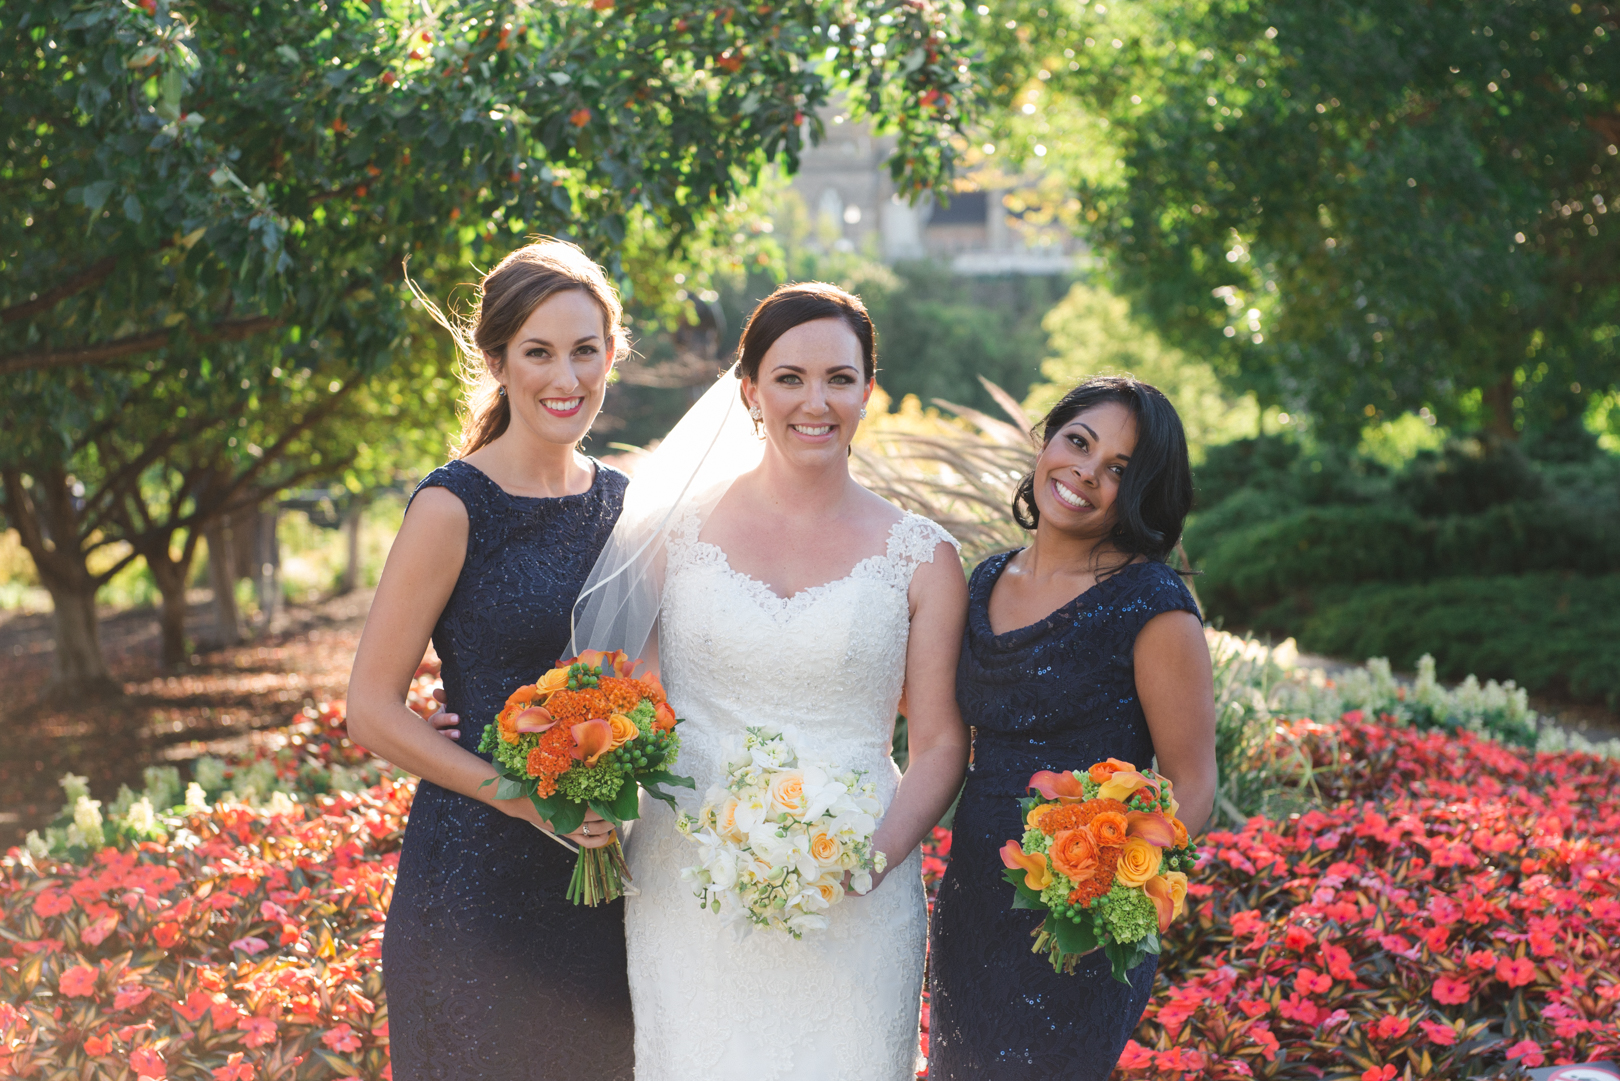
(1036, 841)
(643, 716)
(599, 782)
(1129, 914)
(1057, 894)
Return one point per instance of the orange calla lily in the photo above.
(1123, 783)
(1058, 786)
(1152, 827)
(533, 719)
(1037, 875)
(650, 681)
(1158, 890)
(592, 739)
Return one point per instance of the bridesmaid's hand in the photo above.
(594, 832)
(445, 722)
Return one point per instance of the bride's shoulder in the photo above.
(913, 538)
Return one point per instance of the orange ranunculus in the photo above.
(1064, 787)
(1158, 890)
(592, 739)
(1037, 875)
(533, 719)
(552, 682)
(523, 697)
(1104, 770)
(1037, 813)
(507, 723)
(1181, 832)
(1152, 827)
(663, 718)
(1109, 829)
(1123, 782)
(623, 728)
(1074, 853)
(1138, 862)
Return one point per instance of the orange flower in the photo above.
(1123, 782)
(571, 707)
(1158, 891)
(651, 687)
(552, 682)
(623, 695)
(551, 759)
(1098, 884)
(1138, 862)
(523, 697)
(592, 739)
(1152, 827)
(1108, 829)
(1038, 814)
(1104, 770)
(1180, 828)
(507, 723)
(616, 663)
(1037, 875)
(1074, 815)
(1074, 853)
(1064, 787)
(663, 718)
(623, 728)
(533, 719)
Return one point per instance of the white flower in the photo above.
(196, 799)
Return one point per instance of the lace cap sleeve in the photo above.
(913, 540)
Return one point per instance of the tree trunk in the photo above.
(351, 569)
(46, 519)
(170, 576)
(222, 576)
(268, 556)
(1498, 399)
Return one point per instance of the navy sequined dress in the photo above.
(491, 974)
(1059, 694)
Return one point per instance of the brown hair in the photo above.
(793, 305)
(507, 296)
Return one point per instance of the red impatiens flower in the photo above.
(1528, 1052)
(260, 1031)
(78, 981)
(1516, 971)
(234, 1069)
(1438, 1034)
(147, 1063)
(341, 1038)
(1450, 991)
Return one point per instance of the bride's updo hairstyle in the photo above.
(792, 305)
(507, 296)
(1155, 492)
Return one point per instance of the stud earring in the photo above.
(863, 412)
(501, 393)
(756, 413)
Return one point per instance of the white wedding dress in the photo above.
(839, 1004)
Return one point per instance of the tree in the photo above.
(210, 204)
(1362, 208)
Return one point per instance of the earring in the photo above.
(756, 413)
(501, 392)
(863, 412)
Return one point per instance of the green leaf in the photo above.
(621, 808)
(1075, 938)
(567, 817)
(510, 788)
(96, 194)
(1023, 896)
(659, 776)
(132, 208)
(660, 794)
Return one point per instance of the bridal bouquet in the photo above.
(779, 836)
(1105, 857)
(587, 734)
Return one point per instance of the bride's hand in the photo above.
(443, 721)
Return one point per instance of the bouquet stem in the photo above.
(599, 875)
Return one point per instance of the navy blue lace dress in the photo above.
(1059, 694)
(491, 974)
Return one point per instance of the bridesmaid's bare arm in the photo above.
(1177, 689)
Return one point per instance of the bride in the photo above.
(784, 593)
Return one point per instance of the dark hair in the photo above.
(793, 305)
(1155, 492)
(507, 296)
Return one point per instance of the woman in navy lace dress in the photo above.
(491, 974)
(1082, 647)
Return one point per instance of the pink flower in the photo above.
(1516, 971)
(1528, 1051)
(1378, 1073)
(260, 1031)
(1311, 982)
(1338, 963)
(147, 1063)
(1268, 1043)
(52, 903)
(1450, 991)
(234, 1069)
(1438, 1034)
(250, 945)
(129, 996)
(1391, 1027)
(78, 981)
(342, 1038)
(1135, 1057)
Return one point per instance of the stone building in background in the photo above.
(845, 186)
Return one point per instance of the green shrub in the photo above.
(1547, 631)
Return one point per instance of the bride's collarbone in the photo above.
(790, 556)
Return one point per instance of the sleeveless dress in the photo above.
(491, 974)
(840, 1004)
(1059, 694)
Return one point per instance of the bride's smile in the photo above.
(811, 392)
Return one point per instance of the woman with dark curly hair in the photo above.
(1081, 647)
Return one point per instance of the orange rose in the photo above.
(1074, 853)
(1104, 770)
(663, 718)
(1138, 862)
(552, 682)
(1037, 813)
(623, 728)
(825, 848)
(1037, 876)
(1108, 829)
(787, 793)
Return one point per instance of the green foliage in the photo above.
(1092, 332)
(1362, 208)
(1547, 631)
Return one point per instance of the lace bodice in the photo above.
(829, 661)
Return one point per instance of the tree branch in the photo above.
(85, 279)
(229, 330)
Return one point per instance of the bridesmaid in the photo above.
(490, 972)
(1081, 647)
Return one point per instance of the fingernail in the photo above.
(454, 732)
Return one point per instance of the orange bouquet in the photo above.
(1105, 857)
(587, 734)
